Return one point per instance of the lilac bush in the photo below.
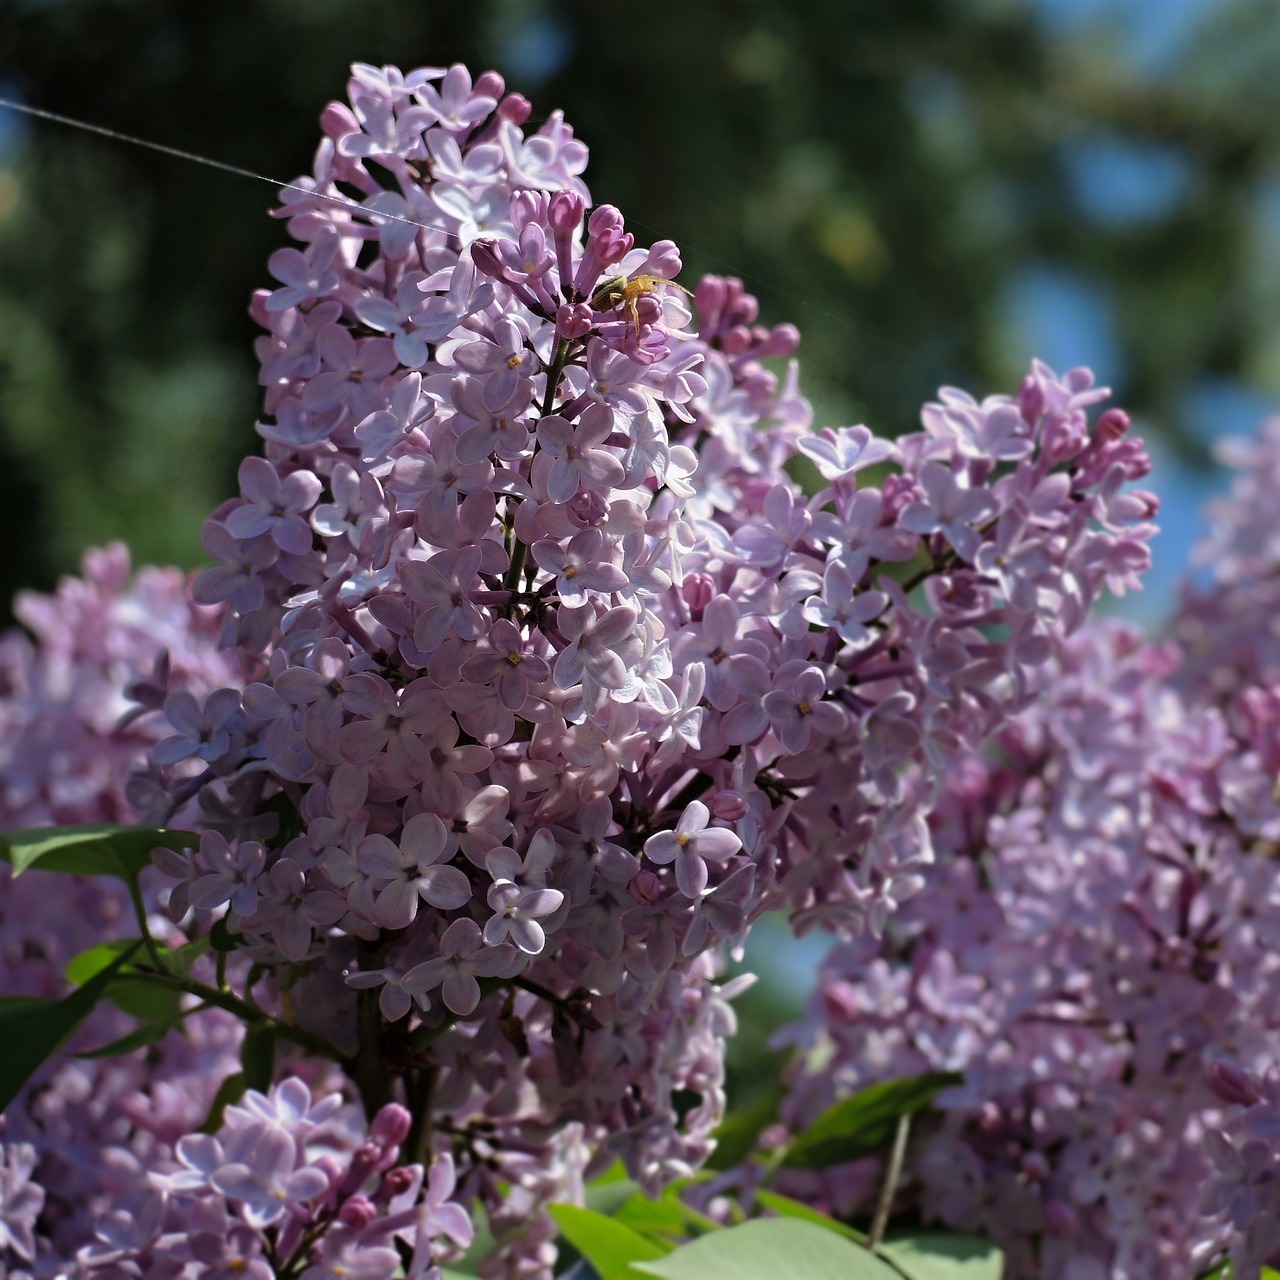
(1096, 952)
(543, 678)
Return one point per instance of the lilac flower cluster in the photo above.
(287, 1189)
(77, 715)
(75, 712)
(558, 679)
(1245, 1186)
(1229, 626)
(1096, 948)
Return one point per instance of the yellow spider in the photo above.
(622, 293)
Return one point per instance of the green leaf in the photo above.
(258, 1057)
(144, 1000)
(610, 1247)
(859, 1126)
(180, 959)
(138, 1038)
(31, 1030)
(221, 938)
(786, 1207)
(229, 1091)
(738, 1131)
(609, 1197)
(935, 1255)
(91, 962)
(107, 849)
(769, 1249)
(136, 996)
(664, 1220)
(618, 1197)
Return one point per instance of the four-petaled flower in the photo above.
(690, 845)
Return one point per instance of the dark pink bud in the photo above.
(710, 298)
(396, 1183)
(746, 309)
(990, 1116)
(1150, 503)
(773, 1136)
(391, 1125)
(516, 108)
(528, 206)
(758, 382)
(1035, 1166)
(1110, 426)
(258, 312)
(735, 341)
(897, 491)
(489, 84)
(332, 1170)
(781, 340)
(1231, 1084)
(357, 1213)
(609, 241)
(486, 259)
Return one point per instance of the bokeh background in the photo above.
(933, 190)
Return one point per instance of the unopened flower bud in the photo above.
(1110, 426)
(1030, 400)
(664, 260)
(1231, 1084)
(698, 590)
(645, 887)
(516, 108)
(391, 1125)
(588, 509)
(357, 1213)
(489, 84)
(573, 322)
(565, 210)
(486, 259)
(337, 120)
(395, 1183)
(729, 806)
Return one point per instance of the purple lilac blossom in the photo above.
(506, 516)
(1096, 952)
(750, 692)
(282, 1187)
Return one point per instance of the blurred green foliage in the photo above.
(910, 183)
